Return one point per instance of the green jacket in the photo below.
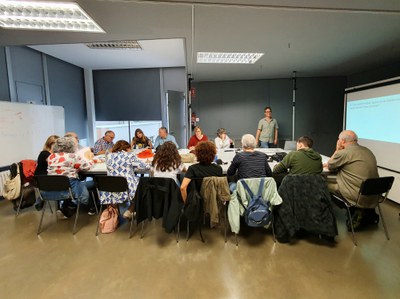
(303, 161)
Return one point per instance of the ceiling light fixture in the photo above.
(116, 45)
(223, 57)
(46, 16)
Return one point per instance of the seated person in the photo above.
(302, 161)
(104, 144)
(42, 165)
(167, 162)
(223, 141)
(196, 138)
(122, 162)
(205, 152)
(249, 163)
(354, 163)
(65, 161)
(76, 138)
(140, 140)
(163, 136)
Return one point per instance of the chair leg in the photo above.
(20, 203)
(187, 230)
(98, 220)
(131, 228)
(94, 203)
(383, 222)
(141, 233)
(41, 218)
(76, 218)
(225, 217)
(178, 229)
(272, 226)
(351, 225)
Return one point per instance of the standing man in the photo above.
(354, 163)
(104, 144)
(163, 136)
(267, 131)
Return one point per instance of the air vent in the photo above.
(116, 45)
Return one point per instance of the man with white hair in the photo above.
(354, 163)
(249, 163)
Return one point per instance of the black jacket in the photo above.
(158, 197)
(306, 205)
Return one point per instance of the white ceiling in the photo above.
(314, 37)
(154, 54)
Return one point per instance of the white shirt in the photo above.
(219, 143)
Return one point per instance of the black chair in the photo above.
(115, 184)
(55, 183)
(369, 187)
(158, 197)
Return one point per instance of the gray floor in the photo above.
(60, 265)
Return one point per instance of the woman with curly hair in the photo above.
(140, 140)
(167, 162)
(205, 152)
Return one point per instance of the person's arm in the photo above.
(149, 143)
(335, 160)
(133, 142)
(185, 184)
(191, 144)
(258, 136)
(276, 136)
(233, 167)
(157, 142)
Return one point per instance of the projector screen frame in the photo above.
(377, 84)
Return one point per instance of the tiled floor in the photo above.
(60, 265)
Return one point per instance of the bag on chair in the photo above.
(109, 220)
(257, 213)
(12, 186)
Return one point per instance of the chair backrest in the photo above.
(376, 186)
(52, 182)
(111, 183)
(290, 145)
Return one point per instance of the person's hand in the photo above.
(88, 155)
(339, 145)
(192, 148)
(325, 165)
(276, 141)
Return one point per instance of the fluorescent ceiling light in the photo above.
(117, 45)
(46, 16)
(221, 57)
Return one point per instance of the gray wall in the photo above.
(27, 72)
(4, 89)
(66, 85)
(239, 105)
(127, 94)
(382, 73)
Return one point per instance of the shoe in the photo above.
(128, 215)
(60, 215)
(92, 211)
(39, 206)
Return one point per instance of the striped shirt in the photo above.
(250, 165)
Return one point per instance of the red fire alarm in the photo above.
(192, 92)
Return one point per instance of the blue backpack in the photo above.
(257, 213)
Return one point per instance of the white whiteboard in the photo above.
(24, 128)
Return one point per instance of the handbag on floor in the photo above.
(109, 220)
(12, 186)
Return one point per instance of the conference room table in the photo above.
(225, 155)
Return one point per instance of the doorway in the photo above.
(176, 113)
